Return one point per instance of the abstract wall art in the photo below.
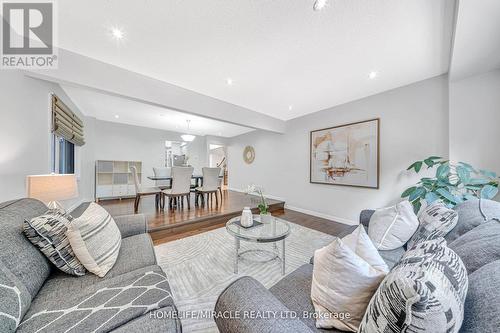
(346, 155)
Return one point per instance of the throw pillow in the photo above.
(436, 220)
(95, 239)
(424, 292)
(48, 233)
(481, 305)
(346, 273)
(392, 227)
(480, 246)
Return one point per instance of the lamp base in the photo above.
(56, 205)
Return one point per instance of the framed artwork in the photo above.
(346, 155)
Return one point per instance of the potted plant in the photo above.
(453, 183)
(265, 215)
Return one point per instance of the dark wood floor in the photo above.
(168, 225)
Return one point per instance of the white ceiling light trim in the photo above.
(373, 75)
(117, 33)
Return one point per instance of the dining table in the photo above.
(198, 179)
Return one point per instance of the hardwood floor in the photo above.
(170, 225)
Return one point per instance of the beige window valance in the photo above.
(65, 123)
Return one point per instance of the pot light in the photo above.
(319, 4)
(117, 116)
(117, 33)
(229, 81)
(290, 107)
(372, 75)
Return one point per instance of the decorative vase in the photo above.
(266, 218)
(246, 217)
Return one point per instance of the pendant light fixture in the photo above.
(188, 137)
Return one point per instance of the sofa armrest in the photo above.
(247, 306)
(365, 216)
(131, 225)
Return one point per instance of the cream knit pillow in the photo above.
(346, 274)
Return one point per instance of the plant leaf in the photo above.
(464, 174)
(430, 163)
(443, 172)
(434, 157)
(416, 206)
(447, 195)
(478, 181)
(489, 174)
(430, 197)
(408, 192)
(418, 166)
(417, 193)
(489, 192)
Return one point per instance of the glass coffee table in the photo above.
(271, 232)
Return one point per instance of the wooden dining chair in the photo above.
(163, 172)
(210, 186)
(141, 191)
(181, 182)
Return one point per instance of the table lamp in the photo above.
(51, 188)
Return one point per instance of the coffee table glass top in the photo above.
(273, 231)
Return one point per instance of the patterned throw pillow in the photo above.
(436, 220)
(48, 233)
(424, 292)
(95, 239)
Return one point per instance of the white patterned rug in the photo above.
(201, 266)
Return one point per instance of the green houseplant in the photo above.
(453, 183)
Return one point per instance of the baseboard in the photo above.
(305, 211)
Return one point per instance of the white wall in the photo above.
(25, 134)
(414, 125)
(133, 143)
(475, 120)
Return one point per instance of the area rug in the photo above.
(201, 266)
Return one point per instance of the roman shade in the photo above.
(65, 123)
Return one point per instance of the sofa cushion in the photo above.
(424, 292)
(48, 233)
(95, 239)
(346, 274)
(480, 246)
(392, 227)
(436, 220)
(294, 291)
(20, 257)
(101, 306)
(15, 300)
(482, 312)
(472, 213)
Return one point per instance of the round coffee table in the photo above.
(272, 232)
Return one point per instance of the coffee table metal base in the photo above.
(274, 255)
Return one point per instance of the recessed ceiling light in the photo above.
(290, 107)
(319, 4)
(229, 81)
(372, 75)
(117, 116)
(117, 33)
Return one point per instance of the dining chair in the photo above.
(221, 181)
(141, 191)
(181, 182)
(163, 172)
(210, 186)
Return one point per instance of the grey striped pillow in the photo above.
(424, 292)
(95, 239)
(48, 233)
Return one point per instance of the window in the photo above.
(63, 156)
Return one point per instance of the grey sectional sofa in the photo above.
(476, 238)
(134, 296)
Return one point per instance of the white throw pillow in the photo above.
(95, 239)
(346, 274)
(391, 227)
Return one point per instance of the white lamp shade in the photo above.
(188, 137)
(53, 187)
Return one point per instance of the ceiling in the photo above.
(278, 53)
(107, 107)
(476, 46)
